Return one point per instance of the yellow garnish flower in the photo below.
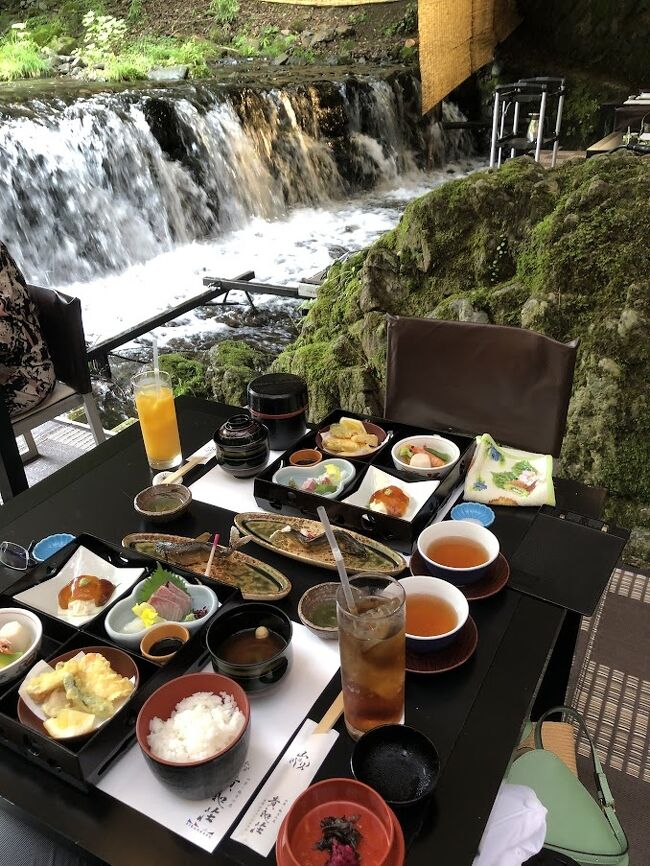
(147, 613)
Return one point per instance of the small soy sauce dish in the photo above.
(399, 762)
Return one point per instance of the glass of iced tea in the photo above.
(373, 654)
(154, 401)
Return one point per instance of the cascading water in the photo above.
(127, 199)
(107, 182)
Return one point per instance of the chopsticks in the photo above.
(191, 463)
(331, 717)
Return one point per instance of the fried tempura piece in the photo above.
(44, 684)
(94, 675)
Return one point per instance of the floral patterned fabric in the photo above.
(504, 476)
(26, 371)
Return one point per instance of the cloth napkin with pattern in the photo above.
(500, 475)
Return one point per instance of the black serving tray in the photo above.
(400, 534)
(83, 761)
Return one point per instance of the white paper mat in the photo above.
(220, 488)
(259, 827)
(274, 718)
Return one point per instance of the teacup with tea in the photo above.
(436, 611)
(458, 551)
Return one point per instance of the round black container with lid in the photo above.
(279, 401)
(242, 446)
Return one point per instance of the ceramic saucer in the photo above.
(452, 656)
(487, 586)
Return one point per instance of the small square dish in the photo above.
(83, 563)
(378, 482)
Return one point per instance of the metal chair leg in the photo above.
(92, 414)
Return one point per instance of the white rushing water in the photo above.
(281, 251)
(128, 199)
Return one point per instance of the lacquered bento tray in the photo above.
(83, 760)
(399, 533)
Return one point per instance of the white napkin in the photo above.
(515, 830)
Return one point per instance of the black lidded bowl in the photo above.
(242, 446)
(280, 402)
(260, 676)
(195, 780)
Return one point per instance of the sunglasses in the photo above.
(14, 556)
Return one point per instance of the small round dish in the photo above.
(397, 761)
(362, 453)
(452, 656)
(492, 583)
(258, 676)
(319, 602)
(295, 477)
(34, 630)
(50, 545)
(474, 512)
(163, 502)
(306, 457)
(436, 443)
(164, 631)
(338, 797)
(194, 780)
(443, 591)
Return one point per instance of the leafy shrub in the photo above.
(225, 11)
(20, 56)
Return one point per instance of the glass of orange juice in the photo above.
(154, 401)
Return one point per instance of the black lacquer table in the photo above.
(474, 714)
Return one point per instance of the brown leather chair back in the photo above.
(59, 316)
(460, 376)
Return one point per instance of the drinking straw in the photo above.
(208, 567)
(338, 559)
(156, 369)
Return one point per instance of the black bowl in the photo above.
(195, 780)
(400, 763)
(259, 676)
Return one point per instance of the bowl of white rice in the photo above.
(194, 733)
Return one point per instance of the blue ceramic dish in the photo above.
(47, 547)
(475, 512)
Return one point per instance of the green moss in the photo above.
(188, 375)
(562, 252)
(232, 365)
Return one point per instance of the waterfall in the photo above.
(93, 186)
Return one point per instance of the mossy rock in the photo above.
(188, 375)
(563, 252)
(232, 365)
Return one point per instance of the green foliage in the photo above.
(408, 23)
(20, 56)
(135, 13)
(246, 46)
(225, 11)
(358, 18)
(188, 375)
(103, 36)
(44, 30)
(273, 43)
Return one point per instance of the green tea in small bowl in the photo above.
(317, 610)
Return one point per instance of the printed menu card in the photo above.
(274, 719)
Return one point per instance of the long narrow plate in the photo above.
(256, 580)
(376, 556)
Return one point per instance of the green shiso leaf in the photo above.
(156, 580)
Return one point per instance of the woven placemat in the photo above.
(558, 737)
